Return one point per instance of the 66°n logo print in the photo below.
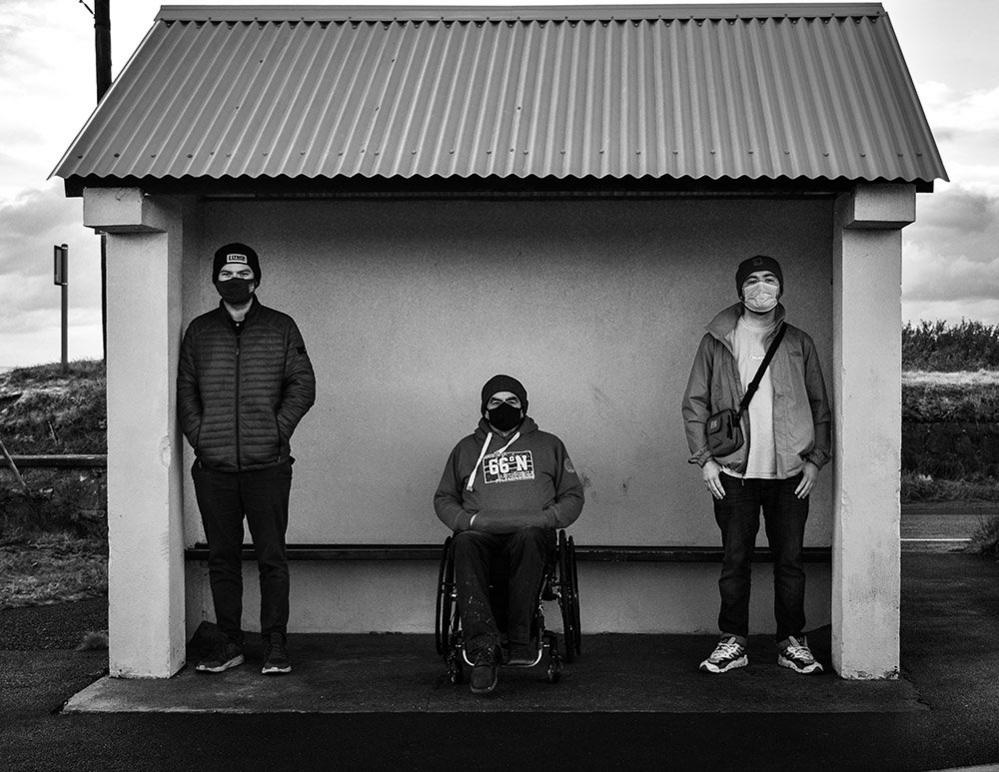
(508, 467)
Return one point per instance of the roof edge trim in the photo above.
(333, 13)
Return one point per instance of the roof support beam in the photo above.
(880, 207)
(124, 210)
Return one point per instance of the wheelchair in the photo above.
(560, 584)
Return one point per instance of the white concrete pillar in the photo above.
(145, 528)
(867, 358)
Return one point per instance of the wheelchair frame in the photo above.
(560, 584)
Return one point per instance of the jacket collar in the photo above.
(723, 325)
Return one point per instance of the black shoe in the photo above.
(276, 662)
(485, 671)
(225, 654)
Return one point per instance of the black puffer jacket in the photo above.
(240, 397)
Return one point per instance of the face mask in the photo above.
(504, 417)
(235, 292)
(760, 297)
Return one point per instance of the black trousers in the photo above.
(224, 498)
(520, 556)
(738, 517)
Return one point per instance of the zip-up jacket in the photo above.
(802, 416)
(240, 396)
(521, 481)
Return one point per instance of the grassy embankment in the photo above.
(53, 539)
(950, 415)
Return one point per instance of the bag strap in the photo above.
(755, 383)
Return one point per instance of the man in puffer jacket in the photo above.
(787, 441)
(504, 490)
(244, 382)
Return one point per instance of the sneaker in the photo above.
(276, 662)
(225, 654)
(796, 655)
(729, 654)
(484, 671)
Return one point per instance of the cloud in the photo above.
(951, 257)
(958, 211)
(950, 110)
(985, 311)
(30, 225)
(35, 217)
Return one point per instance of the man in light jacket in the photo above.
(787, 441)
(244, 381)
(504, 490)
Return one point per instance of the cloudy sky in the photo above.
(47, 91)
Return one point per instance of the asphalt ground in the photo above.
(950, 625)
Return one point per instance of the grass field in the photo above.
(53, 539)
(52, 568)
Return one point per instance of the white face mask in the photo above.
(760, 297)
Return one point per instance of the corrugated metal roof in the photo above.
(701, 92)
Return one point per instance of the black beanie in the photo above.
(757, 263)
(500, 383)
(236, 253)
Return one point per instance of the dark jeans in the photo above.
(262, 496)
(520, 557)
(738, 516)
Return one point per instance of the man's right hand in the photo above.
(711, 474)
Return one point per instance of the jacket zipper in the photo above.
(239, 455)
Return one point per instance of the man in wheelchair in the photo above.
(505, 489)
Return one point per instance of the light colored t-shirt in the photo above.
(749, 344)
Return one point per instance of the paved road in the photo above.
(943, 528)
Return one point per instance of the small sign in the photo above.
(61, 267)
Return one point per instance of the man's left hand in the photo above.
(808, 477)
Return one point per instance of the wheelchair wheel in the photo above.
(445, 602)
(568, 595)
(577, 643)
(554, 670)
(455, 668)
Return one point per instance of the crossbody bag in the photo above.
(724, 428)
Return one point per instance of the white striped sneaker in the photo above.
(729, 654)
(795, 655)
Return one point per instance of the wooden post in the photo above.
(13, 467)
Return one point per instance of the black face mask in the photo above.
(504, 417)
(235, 292)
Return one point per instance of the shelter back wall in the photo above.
(408, 306)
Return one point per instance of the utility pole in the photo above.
(102, 45)
(102, 59)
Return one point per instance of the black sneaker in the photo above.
(485, 671)
(276, 662)
(729, 654)
(225, 654)
(795, 655)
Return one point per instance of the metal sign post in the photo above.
(61, 279)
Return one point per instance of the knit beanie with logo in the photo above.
(236, 254)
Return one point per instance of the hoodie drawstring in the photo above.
(482, 455)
